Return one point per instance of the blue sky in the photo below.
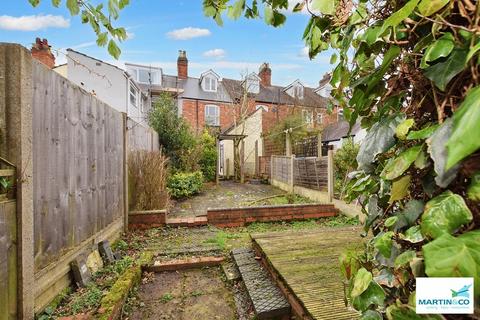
(156, 35)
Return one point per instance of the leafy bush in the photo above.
(183, 185)
(276, 134)
(208, 159)
(147, 171)
(176, 138)
(410, 71)
(344, 161)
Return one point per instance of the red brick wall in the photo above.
(146, 220)
(193, 111)
(238, 217)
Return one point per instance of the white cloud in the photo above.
(303, 52)
(33, 23)
(215, 53)
(188, 33)
(84, 45)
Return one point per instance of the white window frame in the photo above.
(133, 94)
(260, 106)
(307, 116)
(298, 91)
(154, 75)
(319, 117)
(215, 117)
(210, 84)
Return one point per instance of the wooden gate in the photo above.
(8, 252)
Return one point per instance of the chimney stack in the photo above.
(41, 52)
(182, 65)
(265, 74)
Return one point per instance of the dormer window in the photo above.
(209, 81)
(209, 84)
(144, 74)
(252, 83)
(295, 90)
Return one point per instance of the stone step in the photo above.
(267, 299)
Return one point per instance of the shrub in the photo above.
(345, 161)
(208, 159)
(147, 180)
(184, 185)
(176, 138)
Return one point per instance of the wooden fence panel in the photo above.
(280, 170)
(141, 137)
(78, 165)
(311, 172)
(8, 260)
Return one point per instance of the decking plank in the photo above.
(307, 264)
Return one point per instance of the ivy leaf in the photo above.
(383, 243)
(463, 140)
(413, 235)
(399, 189)
(396, 18)
(402, 129)
(438, 49)
(409, 215)
(391, 221)
(361, 282)
(113, 49)
(442, 72)
(400, 164)
(324, 6)
(371, 315)
(424, 133)
(405, 312)
(374, 211)
(386, 278)
(73, 7)
(429, 7)
(437, 147)
(473, 51)
(449, 256)
(374, 295)
(444, 214)
(405, 258)
(379, 139)
(473, 191)
(422, 160)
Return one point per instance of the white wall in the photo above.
(108, 82)
(253, 131)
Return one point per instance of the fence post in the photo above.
(292, 177)
(319, 145)
(271, 168)
(217, 167)
(16, 89)
(256, 159)
(125, 171)
(242, 161)
(288, 144)
(330, 175)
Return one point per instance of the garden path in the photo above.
(226, 195)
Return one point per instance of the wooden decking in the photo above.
(305, 265)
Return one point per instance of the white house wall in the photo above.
(108, 82)
(253, 131)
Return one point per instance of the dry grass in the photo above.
(148, 172)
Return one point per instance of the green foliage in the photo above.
(184, 185)
(98, 19)
(209, 154)
(88, 300)
(298, 130)
(409, 70)
(344, 161)
(175, 136)
(166, 298)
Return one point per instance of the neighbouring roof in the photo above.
(337, 131)
(90, 57)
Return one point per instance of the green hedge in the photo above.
(183, 185)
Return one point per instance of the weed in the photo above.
(229, 193)
(196, 293)
(166, 298)
(88, 300)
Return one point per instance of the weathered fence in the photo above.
(70, 151)
(288, 172)
(311, 172)
(141, 137)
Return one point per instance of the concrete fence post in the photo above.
(288, 144)
(16, 92)
(330, 175)
(242, 161)
(319, 145)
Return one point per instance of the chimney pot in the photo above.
(41, 51)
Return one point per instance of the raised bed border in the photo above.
(141, 220)
(239, 217)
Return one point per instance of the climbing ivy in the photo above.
(409, 71)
